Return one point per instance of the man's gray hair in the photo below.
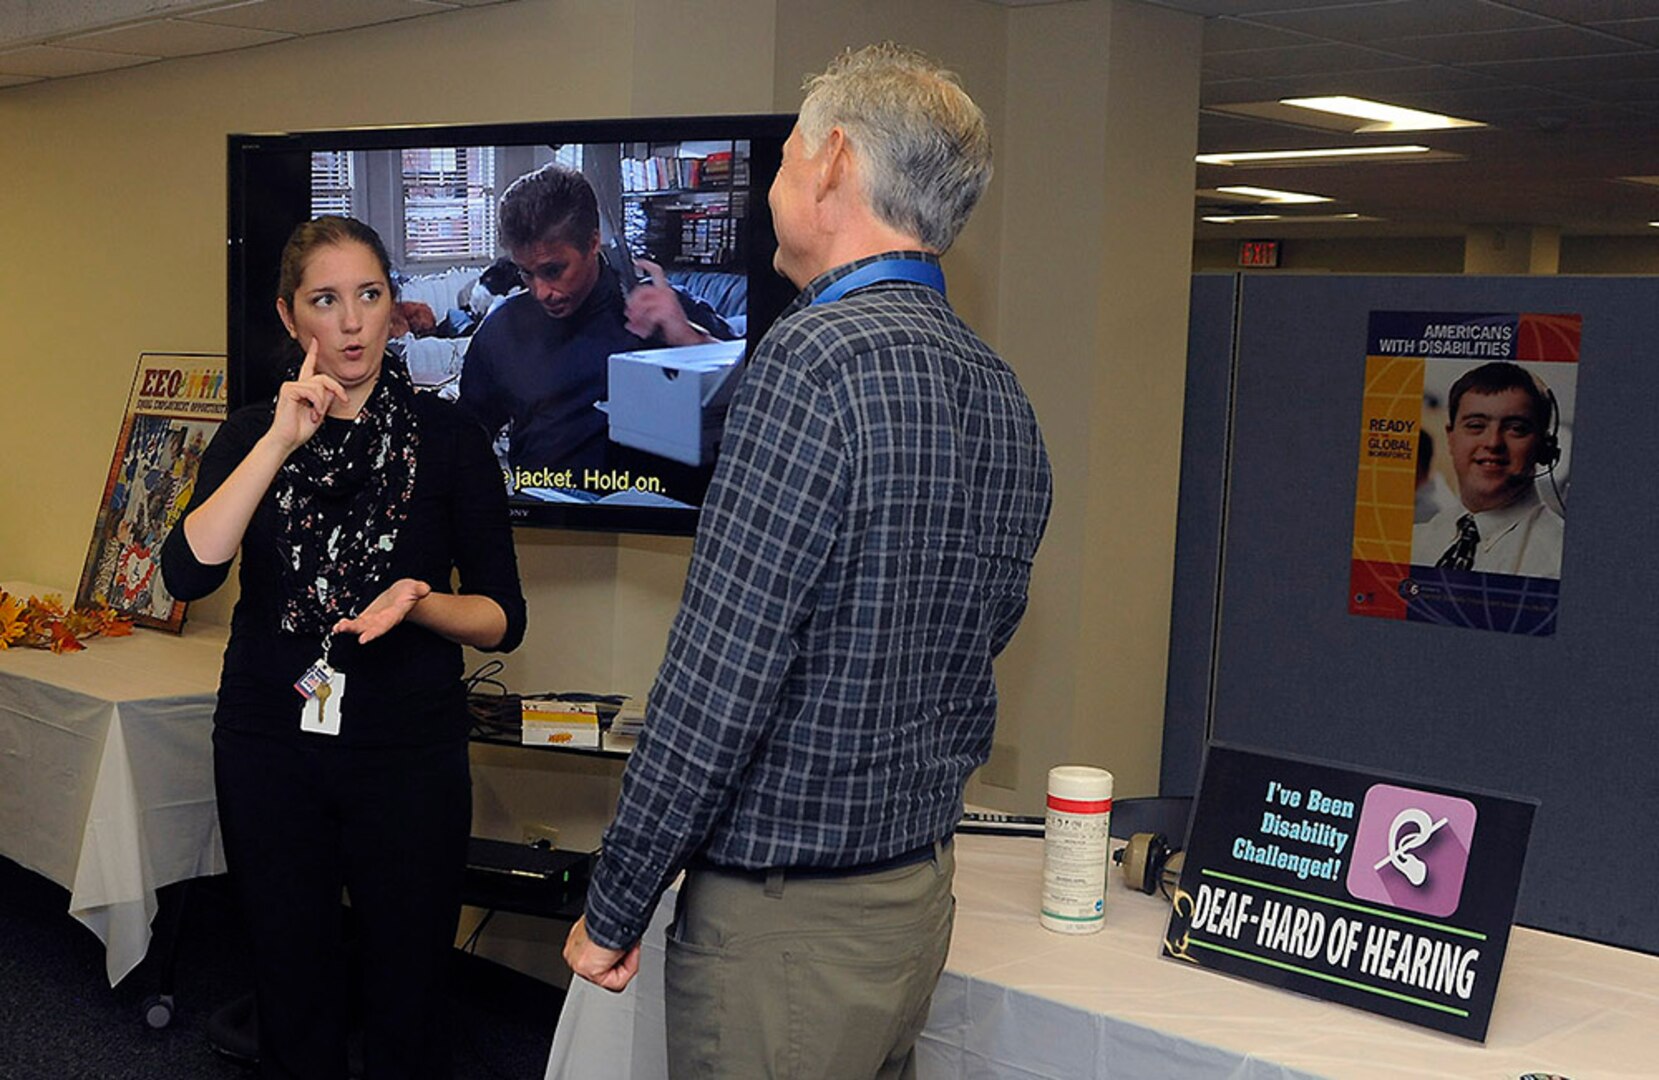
(923, 142)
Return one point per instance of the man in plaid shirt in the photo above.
(864, 553)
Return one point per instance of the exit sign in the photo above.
(1258, 253)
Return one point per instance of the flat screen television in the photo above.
(688, 193)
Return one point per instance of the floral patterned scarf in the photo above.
(343, 496)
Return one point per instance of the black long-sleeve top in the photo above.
(404, 687)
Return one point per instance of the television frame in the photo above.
(269, 191)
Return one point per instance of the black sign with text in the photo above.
(1384, 893)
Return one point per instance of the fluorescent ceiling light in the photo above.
(1289, 219)
(1349, 153)
(1273, 195)
(1383, 117)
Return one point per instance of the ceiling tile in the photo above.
(1477, 104)
(1231, 35)
(1253, 7)
(1300, 60)
(1627, 91)
(1552, 41)
(1569, 71)
(1386, 84)
(1585, 11)
(1359, 23)
(51, 61)
(17, 80)
(1582, 117)
(317, 16)
(173, 37)
(1645, 31)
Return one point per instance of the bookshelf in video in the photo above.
(683, 204)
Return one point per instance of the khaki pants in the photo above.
(805, 977)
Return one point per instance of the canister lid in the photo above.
(1084, 782)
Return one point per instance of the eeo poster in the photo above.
(1386, 893)
(1465, 460)
(176, 403)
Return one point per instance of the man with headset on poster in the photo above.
(1501, 434)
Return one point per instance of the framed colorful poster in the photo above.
(176, 403)
(1464, 465)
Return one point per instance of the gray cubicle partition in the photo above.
(1264, 652)
(1205, 423)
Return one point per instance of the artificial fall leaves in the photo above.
(45, 623)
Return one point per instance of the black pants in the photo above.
(304, 817)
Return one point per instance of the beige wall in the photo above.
(112, 243)
(1610, 254)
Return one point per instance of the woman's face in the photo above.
(344, 304)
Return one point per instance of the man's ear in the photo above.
(835, 163)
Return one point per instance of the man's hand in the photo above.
(608, 969)
(655, 310)
(387, 610)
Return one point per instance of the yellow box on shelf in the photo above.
(550, 722)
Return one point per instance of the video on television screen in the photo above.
(605, 403)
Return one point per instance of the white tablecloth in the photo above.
(106, 773)
(1018, 1001)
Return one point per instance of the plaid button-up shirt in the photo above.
(864, 552)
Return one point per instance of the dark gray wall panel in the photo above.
(1204, 437)
(1567, 719)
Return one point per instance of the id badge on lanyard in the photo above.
(324, 691)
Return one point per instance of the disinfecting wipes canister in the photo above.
(1075, 848)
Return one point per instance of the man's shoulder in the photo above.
(511, 319)
(879, 321)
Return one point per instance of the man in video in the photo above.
(1500, 439)
(538, 363)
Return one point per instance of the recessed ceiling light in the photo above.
(1289, 219)
(1328, 153)
(1383, 116)
(1273, 195)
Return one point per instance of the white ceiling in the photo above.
(50, 39)
(1569, 87)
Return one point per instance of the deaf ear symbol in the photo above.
(1401, 843)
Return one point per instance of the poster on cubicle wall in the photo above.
(1465, 460)
(176, 403)
(1386, 893)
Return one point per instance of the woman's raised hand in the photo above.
(302, 403)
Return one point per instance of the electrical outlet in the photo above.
(541, 834)
(1003, 769)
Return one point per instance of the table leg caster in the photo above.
(158, 1011)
